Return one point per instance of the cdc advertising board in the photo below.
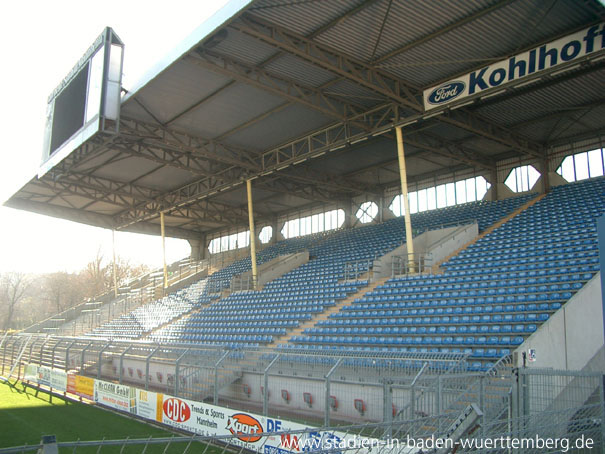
(210, 420)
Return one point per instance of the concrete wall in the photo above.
(451, 240)
(572, 335)
(281, 265)
(440, 243)
(344, 392)
(503, 193)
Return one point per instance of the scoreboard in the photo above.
(86, 102)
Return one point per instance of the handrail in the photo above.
(449, 235)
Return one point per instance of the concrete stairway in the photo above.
(326, 313)
(521, 209)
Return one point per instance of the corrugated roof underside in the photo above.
(494, 36)
(174, 91)
(279, 127)
(303, 18)
(228, 109)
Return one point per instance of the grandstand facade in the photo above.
(393, 209)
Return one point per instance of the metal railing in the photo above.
(231, 377)
(103, 308)
(398, 394)
(241, 283)
(544, 432)
(411, 264)
(354, 270)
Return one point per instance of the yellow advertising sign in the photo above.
(85, 387)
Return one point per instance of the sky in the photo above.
(40, 41)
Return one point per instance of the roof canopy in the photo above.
(303, 96)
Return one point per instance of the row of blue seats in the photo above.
(435, 308)
(435, 324)
(412, 340)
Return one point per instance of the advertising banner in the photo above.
(58, 380)
(85, 387)
(31, 373)
(44, 375)
(198, 417)
(149, 405)
(561, 51)
(210, 420)
(115, 396)
(71, 383)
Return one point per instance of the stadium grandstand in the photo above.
(395, 212)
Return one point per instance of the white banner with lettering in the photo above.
(556, 53)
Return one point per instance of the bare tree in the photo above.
(63, 290)
(95, 275)
(13, 287)
(27, 299)
(98, 274)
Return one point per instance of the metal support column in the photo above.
(83, 357)
(31, 349)
(40, 357)
(105, 347)
(252, 234)
(147, 367)
(413, 390)
(177, 370)
(121, 371)
(404, 194)
(54, 350)
(266, 385)
(4, 352)
(218, 363)
(545, 176)
(163, 231)
(387, 408)
(115, 273)
(327, 396)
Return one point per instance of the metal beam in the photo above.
(274, 57)
(441, 31)
(279, 54)
(193, 147)
(127, 196)
(335, 137)
(288, 89)
(379, 81)
(199, 103)
(93, 219)
(329, 59)
(563, 112)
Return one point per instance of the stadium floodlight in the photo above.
(86, 102)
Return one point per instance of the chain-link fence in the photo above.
(318, 388)
(384, 395)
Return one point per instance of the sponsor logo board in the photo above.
(558, 53)
(85, 387)
(115, 396)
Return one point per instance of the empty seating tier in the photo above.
(490, 297)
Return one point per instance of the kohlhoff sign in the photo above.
(561, 51)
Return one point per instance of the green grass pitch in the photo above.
(24, 419)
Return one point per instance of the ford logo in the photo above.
(446, 92)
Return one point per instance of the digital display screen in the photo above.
(69, 110)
